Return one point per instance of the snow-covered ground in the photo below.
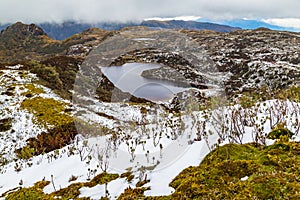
(22, 121)
(163, 143)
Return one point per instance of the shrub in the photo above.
(47, 74)
(45, 142)
(5, 124)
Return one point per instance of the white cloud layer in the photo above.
(136, 10)
(183, 18)
(285, 22)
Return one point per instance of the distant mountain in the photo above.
(67, 29)
(20, 39)
(64, 30)
(20, 42)
(3, 26)
(188, 25)
(250, 24)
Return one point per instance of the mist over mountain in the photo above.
(250, 24)
(61, 31)
(188, 25)
(67, 29)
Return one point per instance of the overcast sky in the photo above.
(37, 11)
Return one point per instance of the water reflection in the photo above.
(128, 79)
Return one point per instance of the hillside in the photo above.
(189, 25)
(229, 129)
(21, 42)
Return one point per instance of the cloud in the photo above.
(182, 18)
(136, 10)
(284, 22)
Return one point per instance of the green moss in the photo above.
(249, 99)
(47, 111)
(102, 178)
(26, 194)
(277, 133)
(128, 175)
(273, 173)
(141, 183)
(26, 152)
(71, 192)
(274, 185)
(31, 193)
(292, 93)
(136, 193)
(32, 90)
(47, 73)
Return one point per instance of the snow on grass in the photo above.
(22, 126)
(167, 138)
(115, 188)
(159, 180)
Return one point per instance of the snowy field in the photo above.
(160, 143)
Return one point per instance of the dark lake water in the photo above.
(128, 79)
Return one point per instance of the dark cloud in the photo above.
(136, 10)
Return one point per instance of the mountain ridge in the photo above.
(61, 31)
(189, 25)
(20, 42)
(250, 24)
(67, 29)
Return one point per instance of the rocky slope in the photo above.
(236, 62)
(253, 58)
(21, 42)
(240, 61)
